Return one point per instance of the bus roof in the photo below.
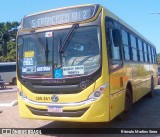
(112, 15)
(60, 16)
(57, 9)
(109, 14)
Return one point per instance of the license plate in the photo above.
(55, 109)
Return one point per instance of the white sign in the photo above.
(44, 69)
(73, 70)
(59, 17)
(28, 62)
(48, 34)
(28, 69)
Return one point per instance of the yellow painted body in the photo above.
(111, 103)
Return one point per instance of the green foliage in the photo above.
(11, 45)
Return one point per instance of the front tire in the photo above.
(127, 107)
(14, 82)
(151, 93)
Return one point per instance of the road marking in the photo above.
(13, 103)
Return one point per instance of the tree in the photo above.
(8, 39)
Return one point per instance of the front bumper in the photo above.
(85, 111)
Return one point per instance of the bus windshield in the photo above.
(81, 56)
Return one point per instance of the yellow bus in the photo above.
(81, 64)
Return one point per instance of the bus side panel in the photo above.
(117, 92)
(117, 103)
(142, 83)
(116, 87)
(8, 71)
(8, 76)
(99, 111)
(137, 92)
(155, 74)
(145, 79)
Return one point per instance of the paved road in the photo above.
(146, 114)
(9, 88)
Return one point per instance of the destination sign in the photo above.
(60, 17)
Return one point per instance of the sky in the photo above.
(134, 12)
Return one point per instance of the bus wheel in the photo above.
(14, 82)
(151, 93)
(128, 106)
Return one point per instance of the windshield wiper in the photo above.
(46, 52)
(45, 47)
(66, 41)
(38, 39)
(67, 38)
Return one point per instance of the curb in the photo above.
(13, 103)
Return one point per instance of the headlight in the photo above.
(98, 92)
(22, 95)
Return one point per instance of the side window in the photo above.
(125, 43)
(134, 48)
(152, 52)
(113, 43)
(113, 40)
(8, 68)
(140, 50)
(155, 56)
(115, 46)
(145, 52)
(148, 54)
(152, 55)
